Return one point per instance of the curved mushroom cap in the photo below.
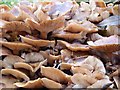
(50, 83)
(10, 60)
(54, 74)
(4, 7)
(46, 26)
(107, 44)
(23, 65)
(7, 82)
(85, 26)
(38, 43)
(74, 46)
(5, 51)
(15, 46)
(15, 26)
(30, 84)
(33, 57)
(70, 36)
(95, 63)
(15, 73)
(79, 79)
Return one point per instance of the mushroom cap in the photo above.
(30, 84)
(15, 46)
(38, 43)
(54, 74)
(5, 51)
(50, 83)
(15, 73)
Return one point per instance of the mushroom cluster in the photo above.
(60, 44)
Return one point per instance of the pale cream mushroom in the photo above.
(37, 83)
(15, 73)
(51, 84)
(54, 74)
(24, 66)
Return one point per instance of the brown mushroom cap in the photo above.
(74, 46)
(54, 74)
(50, 83)
(46, 26)
(5, 7)
(5, 51)
(38, 43)
(15, 46)
(107, 44)
(23, 65)
(30, 84)
(15, 73)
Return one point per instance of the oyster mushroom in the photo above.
(106, 43)
(15, 73)
(24, 66)
(46, 26)
(74, 46)
(70, 36)
(33, 57)
(10, 60)
(7, 82)
(54, 74)
(15, 46)
(15, 26)
(50, 83)
(85, 26)
(38, 43)
(30, 84)
(4, 7)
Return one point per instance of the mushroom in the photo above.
(70, 36)
(42, 16)
(46, 26)
(5, 51)
(24, 66)
(10, 60)
(105, 44)
(4, 7)
(50, 58)
(85, 26)
(74, 46)
(37, 83)
(54, 74)
(50, 83)
(38, 43)
(7, 82)
(33, 57)
(15, 46)
(95, 63)
(15, 73)
(15, 26)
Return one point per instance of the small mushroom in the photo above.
(15, 73)
(46, 26)
(79, 79)
(74, 46)
(85, 26)
(54, 74)
(24, 66)
(65, 66)
(30, 84)
(76, 69)
(38, 43)
(33, 57)
(4, 7)
(7, 82)
(70, 36)
(50, 83)
(10, 60)
(15, 46)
